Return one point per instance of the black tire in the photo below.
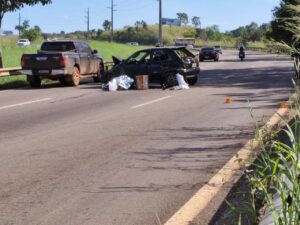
(35, 81)
(216, 59)
(99, 76)
(192, 81)
(62, 81)
(75, 77)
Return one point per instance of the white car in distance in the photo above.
(23, 42)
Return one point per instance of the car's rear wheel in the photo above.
(99, 75)
(192, 80)
(35, 81)
(75, 77)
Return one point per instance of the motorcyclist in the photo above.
(241, 49)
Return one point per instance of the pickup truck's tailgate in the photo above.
(42, 61)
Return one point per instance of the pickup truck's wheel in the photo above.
(75, 77)
(192, 81)
(34, 81)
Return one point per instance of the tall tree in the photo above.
(106, 25)
(12, 5)
(286, 23)
(32, 33)
(213, 32)
(23, 27)
(142, 24)
(183, 17)
(196, 21)
(253, 32)
(27, 32)
(285, 28)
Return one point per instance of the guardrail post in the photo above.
(1, 62)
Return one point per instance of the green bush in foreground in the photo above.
(276, 174)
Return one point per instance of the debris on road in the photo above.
(141, 82)
(176, 82)
(122, 82)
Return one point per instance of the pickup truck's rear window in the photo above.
(58, 46)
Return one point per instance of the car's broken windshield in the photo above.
(140, 56)
(184, 53)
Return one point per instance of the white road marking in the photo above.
(151, 102)
(24, 103)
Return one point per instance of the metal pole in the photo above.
(1, 61)
(112, 20)
(88, 23)
(19, 24)
(160, 39)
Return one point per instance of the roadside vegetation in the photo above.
(274, 177)
(271, 182)
(276, 174)
(252, 35)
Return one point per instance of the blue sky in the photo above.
(69, 15)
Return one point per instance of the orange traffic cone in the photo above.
(283, 105)
(228, 101)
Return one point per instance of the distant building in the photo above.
(7, 32)
(171, 22)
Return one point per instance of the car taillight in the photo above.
(63, 61)
(24, 60)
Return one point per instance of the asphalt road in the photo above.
(83, 156)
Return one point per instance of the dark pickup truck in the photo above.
(66, 61)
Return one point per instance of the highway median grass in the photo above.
(12, 82)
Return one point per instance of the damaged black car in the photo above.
(159, 64)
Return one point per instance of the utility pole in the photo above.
(88, 23)
(112, 20)
(160, 39)
(19, 24)
(1, 61)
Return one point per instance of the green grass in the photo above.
(12, 55)
(108, 49)
(12, 82)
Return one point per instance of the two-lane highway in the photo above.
(83, 156)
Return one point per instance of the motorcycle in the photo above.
(242, 55)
